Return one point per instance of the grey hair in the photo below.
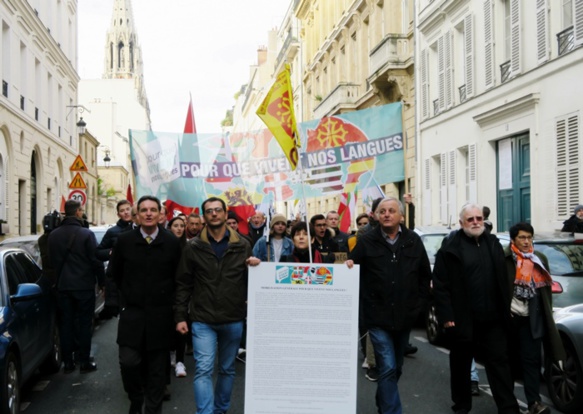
(469, 206)
(401, 208)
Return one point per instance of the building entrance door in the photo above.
(513, 180)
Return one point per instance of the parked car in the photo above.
(565, 255)
(29, 334)
(432, 237)
(565, 385)
(30, 245)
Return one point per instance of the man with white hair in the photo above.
(471, 291)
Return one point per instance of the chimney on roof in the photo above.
(261, 55)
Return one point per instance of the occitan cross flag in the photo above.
(277, 113)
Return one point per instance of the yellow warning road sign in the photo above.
(78, 165)
(78, 182)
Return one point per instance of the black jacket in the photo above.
(72, 250)
(573, 225)
(450, 289)
(211, 289)
(394, 287)
(341, 240)
(144, 274)
(110, 237)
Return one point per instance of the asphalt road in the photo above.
(424, 386)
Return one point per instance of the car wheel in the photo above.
(10, 392)
(432, 328)
(566, 386)
(52, 363)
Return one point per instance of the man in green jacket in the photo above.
(211, 294)
(532, 312)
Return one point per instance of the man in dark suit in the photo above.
(143, 265)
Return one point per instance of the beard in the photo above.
(474, 232)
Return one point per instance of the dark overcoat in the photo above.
(145, 274)
(450, 291)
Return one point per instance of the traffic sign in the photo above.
(78, 182)
(78, 165)
(78, 195)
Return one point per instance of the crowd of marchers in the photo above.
(179, 286)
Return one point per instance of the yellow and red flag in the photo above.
(277, 113)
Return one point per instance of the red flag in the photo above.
(346, 210)
(129, 195)
(189, 125)
(173, 209)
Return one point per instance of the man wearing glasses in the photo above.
(471, 288)
(211, 295)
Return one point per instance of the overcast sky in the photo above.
(204, 47)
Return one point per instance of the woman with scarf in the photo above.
(532, 312)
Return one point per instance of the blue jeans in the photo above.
(206, 338)
(389, 349)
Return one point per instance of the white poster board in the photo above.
(302, 339)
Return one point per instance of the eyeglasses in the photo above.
(524, 237)
(214, 210)
(476, 219)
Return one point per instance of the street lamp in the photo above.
(106, 159)
(81, 126)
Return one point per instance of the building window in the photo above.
(36, 114)
(5, 88)
(49, 123)
(22, 102)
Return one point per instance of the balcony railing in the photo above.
(436, 107)
(345, 94)
(289, 48)
(566, 40)
(393, 49)
(463, 95)
(505, 71)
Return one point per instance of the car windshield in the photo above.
(564, 259)
(432, 243)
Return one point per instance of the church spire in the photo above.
(123, 55)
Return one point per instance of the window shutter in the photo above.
(424, 84)
(488, 45)
(452, 194)
(441, 72)
(515, 37)
(469, 52)
(448, 69)
(443, 188)
(427, 193)
(567, 138)
(578, 21)
(473, 186)
(542, 31)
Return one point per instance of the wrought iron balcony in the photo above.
(505, 71)
(344, 95)
(463, 95)
(566, 40)
(392, 50)
(436, 107)
(289, 49)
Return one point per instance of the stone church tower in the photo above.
(123, 56)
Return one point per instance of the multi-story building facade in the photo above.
(499, 109)
(357, 54)
(38, 133)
